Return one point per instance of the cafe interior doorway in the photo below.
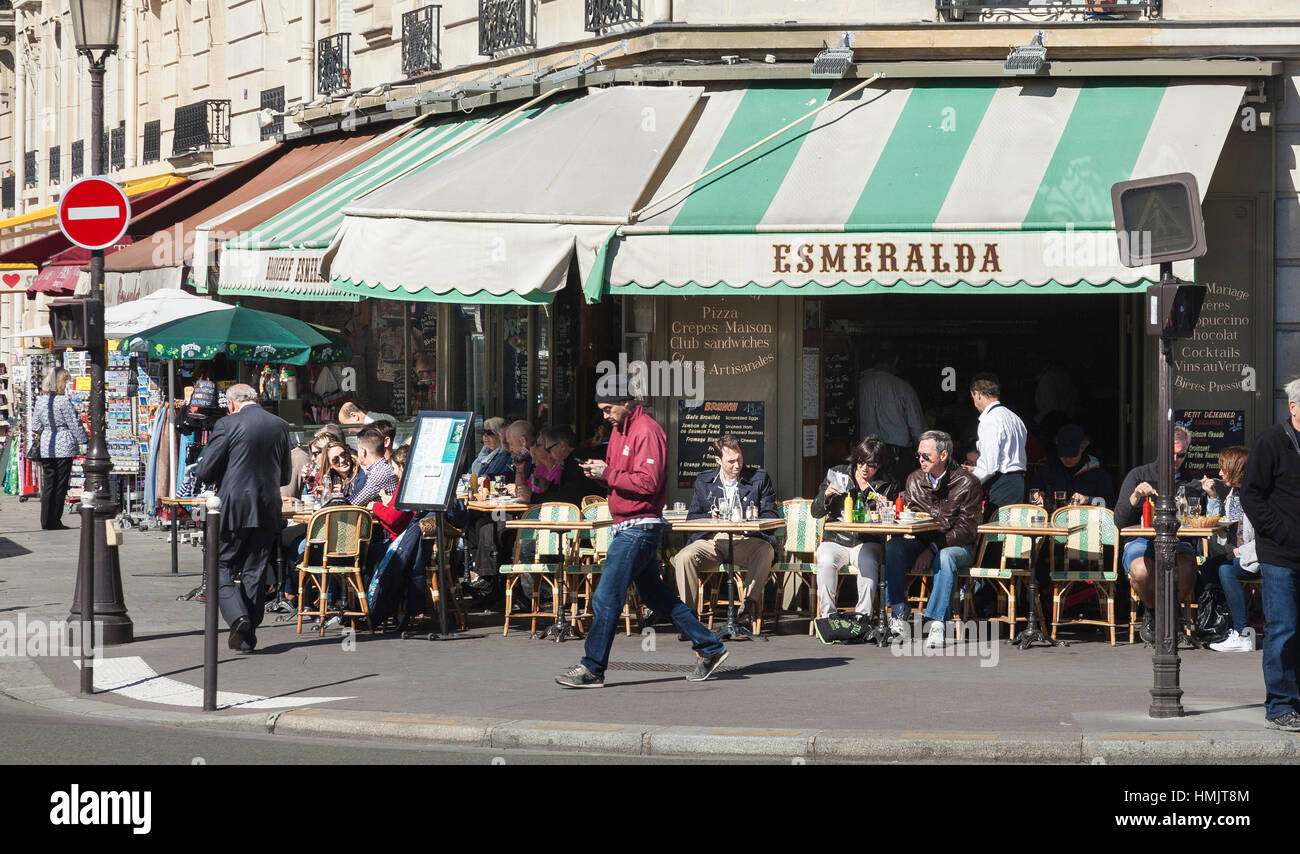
(1059, 359)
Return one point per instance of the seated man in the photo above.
(730, 481)
(376, 474)
(951, 495)
(860, 551)
(1139, 556)
(1080, 476)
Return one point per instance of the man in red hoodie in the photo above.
(634, 470)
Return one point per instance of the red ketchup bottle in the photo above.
(1146, 513)
(898, 504)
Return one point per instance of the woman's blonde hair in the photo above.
(56, 381)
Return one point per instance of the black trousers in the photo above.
(54, 489)
(244, 567)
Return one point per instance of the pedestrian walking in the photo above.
(1270, 497)
(248, 457)
(57, 431)
(634, 469)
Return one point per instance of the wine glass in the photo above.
(1059, 499)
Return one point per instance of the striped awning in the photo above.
(938, 186)
(282, 256)
(503, 220)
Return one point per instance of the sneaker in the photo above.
(1234, 643)
(898, 628)
(1147, 631)
(578, 676)
(705, 667)
(1289, 722)
(333, 622)
(935, 639)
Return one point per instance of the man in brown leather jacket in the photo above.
(952, 495)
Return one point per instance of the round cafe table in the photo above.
(733, 629)
(887, 530)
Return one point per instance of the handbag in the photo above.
(1213, 620)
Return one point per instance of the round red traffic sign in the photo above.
(94, 213)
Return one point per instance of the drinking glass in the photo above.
(1193, 507)
(1036, 497)
(1059, 499)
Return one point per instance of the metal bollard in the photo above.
(211, 551)
(87, 604)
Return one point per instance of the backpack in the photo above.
(839, 628)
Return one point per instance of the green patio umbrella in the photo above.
(339, 349)
(243, 334)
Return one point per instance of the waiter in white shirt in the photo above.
(1001, 466)
(889, 407)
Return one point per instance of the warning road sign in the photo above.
(94, 213)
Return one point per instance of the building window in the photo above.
(78, 158)
(201, 126)
(974, 10)
(152, 142)
(333, 64)
(7, 193)
(29, 171)
(55, 153)
(504, 25)
(603, 14)
(421, 30)
(118, 145)
(273, 100)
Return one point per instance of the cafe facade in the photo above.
(770, 234)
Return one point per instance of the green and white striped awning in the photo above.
(938, 186)
(281, 257)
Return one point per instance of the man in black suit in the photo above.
(248, 458)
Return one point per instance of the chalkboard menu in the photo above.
(698, 424)
(840, 394)
(1211, 431)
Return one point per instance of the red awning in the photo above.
(56, 280)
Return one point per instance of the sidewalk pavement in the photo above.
(788, 698)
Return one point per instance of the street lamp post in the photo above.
(94, 28)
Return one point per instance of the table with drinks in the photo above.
(886, 521)
(561, 629)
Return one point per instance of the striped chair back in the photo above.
(601, 537)
(552, 542)
(803, 531)
(1091, 529)
(1017, 546)
(343, 532)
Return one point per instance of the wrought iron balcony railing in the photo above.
(152, 142)
(273, 100)
(334, 64)
(117, 139)
(603, 14)
(504, 25)
(421, 41)
(78, 159)
(200, 126)
(29, 169)
(103, 153)
(56, 152)
(974, 10)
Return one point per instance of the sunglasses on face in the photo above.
(338, 461)
(871, 464)
(927, 458)
(1181, 456)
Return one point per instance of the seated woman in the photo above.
(494, 459)
(391, 520)
(866, 482)
(337, 476)
(1227, 570)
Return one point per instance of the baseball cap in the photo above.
(1070, 439)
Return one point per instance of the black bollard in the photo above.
(211, 551)
(86, 605)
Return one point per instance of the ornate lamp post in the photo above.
(94, 28)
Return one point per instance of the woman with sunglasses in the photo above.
(864, 480)
(339, 470)
(494, 459)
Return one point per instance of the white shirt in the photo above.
(889, 408)
(1001, 442)
(728, 486)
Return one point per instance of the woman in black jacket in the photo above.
(864, 552)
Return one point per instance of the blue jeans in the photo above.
(1281, 604)
(633, 558)
(1145, 548)
(900, 555)
(1226, 573)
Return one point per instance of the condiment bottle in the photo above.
(1148, 507)
(848, 508)
(898, 504)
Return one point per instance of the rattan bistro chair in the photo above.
(1092, 531)
(803, 533)
(337, 538)
(540, 553)
(1003, 578)
(593, 564)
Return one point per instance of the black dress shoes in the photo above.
(240, 630)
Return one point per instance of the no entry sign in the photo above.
(94, 213)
